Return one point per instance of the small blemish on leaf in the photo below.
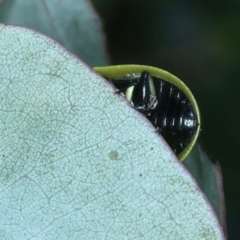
(113, 155)
(140, 175)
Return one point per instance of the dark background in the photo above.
(200, 43)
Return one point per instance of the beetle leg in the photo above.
(143, 95)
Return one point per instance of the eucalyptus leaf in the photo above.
(209, 178)
(77, 162)
(72, 23)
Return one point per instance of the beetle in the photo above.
(163, 99)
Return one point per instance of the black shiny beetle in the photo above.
(162, 98)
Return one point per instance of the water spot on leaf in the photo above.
(113, 155)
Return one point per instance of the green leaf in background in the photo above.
(77, 162)
(72, 23)
(209, 178)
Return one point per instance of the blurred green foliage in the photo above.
(198, 41)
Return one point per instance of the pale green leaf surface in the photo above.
(72, 23)
(76, 162)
